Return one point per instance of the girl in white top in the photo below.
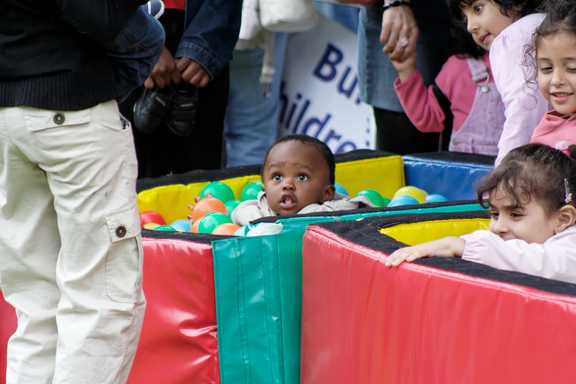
(531, 196)
(506, 28)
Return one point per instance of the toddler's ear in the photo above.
(329, 192)
(565, 217)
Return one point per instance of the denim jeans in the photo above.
(136, 50)
(251, 124)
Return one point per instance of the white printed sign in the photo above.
(320, 93)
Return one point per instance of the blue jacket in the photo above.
(211, 32)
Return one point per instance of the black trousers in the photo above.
(163, 152)
(396, 133)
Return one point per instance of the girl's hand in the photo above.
(406, 67)
(446, 247)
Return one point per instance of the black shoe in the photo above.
(151, 109)
(182, 117)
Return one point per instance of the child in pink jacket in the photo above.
(555, 45)
(463, 98)
(531, 196)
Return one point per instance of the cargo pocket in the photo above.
(124, 259)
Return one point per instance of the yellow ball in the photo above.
(415, 192)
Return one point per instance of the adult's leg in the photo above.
(251, 124)
(90, 166)
(29, 246)
(396, 133)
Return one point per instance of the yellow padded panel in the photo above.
(384, 174)
(423, 231)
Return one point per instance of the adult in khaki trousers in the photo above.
(70, 248)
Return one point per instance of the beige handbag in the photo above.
(288, 15)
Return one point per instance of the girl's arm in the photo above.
(446, 247)
(555, 259)
(524, 105)
(419, 101)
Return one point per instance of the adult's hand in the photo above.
(192, 72)
(399, 32)
(164, 72)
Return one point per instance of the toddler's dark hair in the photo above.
(309, 140)
(507, 7)
(463, 44)
(560, 17)
(533, 171)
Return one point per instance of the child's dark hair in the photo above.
(533, 171)
(518, 8)
(319, 145)
(462, 42)
(560, 17)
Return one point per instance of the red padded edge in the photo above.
(365, 323)
(178, 342)
(7, 328)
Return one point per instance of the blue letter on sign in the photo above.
(326, 68)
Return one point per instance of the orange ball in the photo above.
(226, 229)
(195, 225)
(205, 206)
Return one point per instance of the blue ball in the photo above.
(182, 225)
(402, 200)
(241, 231)
(340, 189)
(435, 198)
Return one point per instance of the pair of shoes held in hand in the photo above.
(174, 107)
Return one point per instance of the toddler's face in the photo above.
(556, 59)
(296, 175)
(528, 221)
(484, 21)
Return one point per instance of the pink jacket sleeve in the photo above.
(555, 259)
(524, 105)
(420, 104)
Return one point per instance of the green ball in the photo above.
(218, 190)
(211, 221)
(165, 228)
(375, 197)
(231, 205)
(251, 190)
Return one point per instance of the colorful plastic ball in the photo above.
(251, 190)
(195, 225)
(339, 188)
(211, 221)
(374, 196)
(205, 206)
(415, 192)
(402, 200)
(435, 198)
(150, 226)
(241, 231)
(151, 217)
(218, 190)
(231, 206)
(165, 228)
(228, 229)
(182, 225)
